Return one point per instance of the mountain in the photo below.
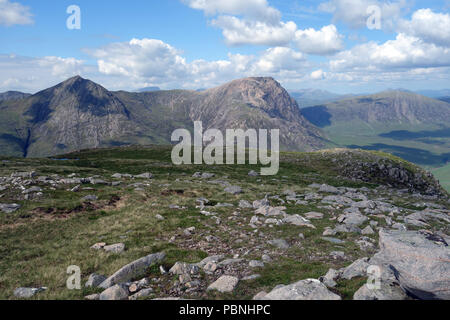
(311, 97)
(149, 89)
(389, 107)
(445, 99)
(13, 95)
(434, 93)
(406, 124)
(78, 114)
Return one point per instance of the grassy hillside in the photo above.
(56, 230)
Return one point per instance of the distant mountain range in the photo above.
(78, 114)
(13, 95)
(311, 97)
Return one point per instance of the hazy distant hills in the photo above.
(312, 97)
(79, 113)
(13, 95)
(409, 125)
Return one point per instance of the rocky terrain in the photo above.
(140, 228)
(78, 114)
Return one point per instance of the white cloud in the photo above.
(322, 42)
(240, 32)
(13, 13)
(154, 62)
(429, 26)
(318, 75)
(404, 52)
(354, 12)
(256, 9)
(32, 74)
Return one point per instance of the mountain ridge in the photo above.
(78, 114)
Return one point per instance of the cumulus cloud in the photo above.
(354, 12)
(405, 51)
(256, 9)
(325, 41)
(32, 74)
(429, 26)
(13, 13)
(240, 32)
(318, 75)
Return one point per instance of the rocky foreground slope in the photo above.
(140, 228)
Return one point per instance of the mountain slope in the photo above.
(409, 125)
(78, 114)
(13, 95)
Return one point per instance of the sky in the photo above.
(343, 46)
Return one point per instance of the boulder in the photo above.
(26, 293)
(94, 280)
(115, 248)
(224, 284)
(181, 268)
(135, 269)
(420, 262)
(233, 190)
(117, 292)
(9, 208)
(309, 289)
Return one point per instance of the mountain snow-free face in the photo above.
(78, 114)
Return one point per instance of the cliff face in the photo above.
(79, 113)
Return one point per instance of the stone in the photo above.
(244, 204)
(309, 289)
(235, 190)
(333, 240)
(251, 277)
(356, 269)
(92, 297)
(279, 243)
(256, 264)
(214, 259)
(260, 203)
(9, 208)
(329, 278)
(115, 248)
(98, 246)
(32, 190)
(260, 296)
(224, 284)
(355, 219)
(116, 292)
(367, 231)
(146, 175)
(419, 260)
(135, 269)
(142, 294)
(26, 293)
(314, 215)
(298, 221)
(94, 280)
(181, 268)
(271, 211)
(266, 258)
(328, 189)
(253, 174)
(387, 291)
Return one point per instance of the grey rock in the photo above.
(253, 174)
(245, 204)
(387, 291)
(233, 190)
(328, 189)
(298, 221)
(115, 248)
(356, 269)
(142, 294)
(314, 215)
(32, 190)
(224, 284)
(116, 292)
(182, 268)
(9, 208)
(94, 280)
(146, 175)
(93, 297)
(207, 260)
(135, 269)
(260, 203)
(367, 231)
(26, 293)
(419, 260)
(333, 240)
(309, 289)
(256, 264)
(279, 243)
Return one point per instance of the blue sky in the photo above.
(202, 43)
